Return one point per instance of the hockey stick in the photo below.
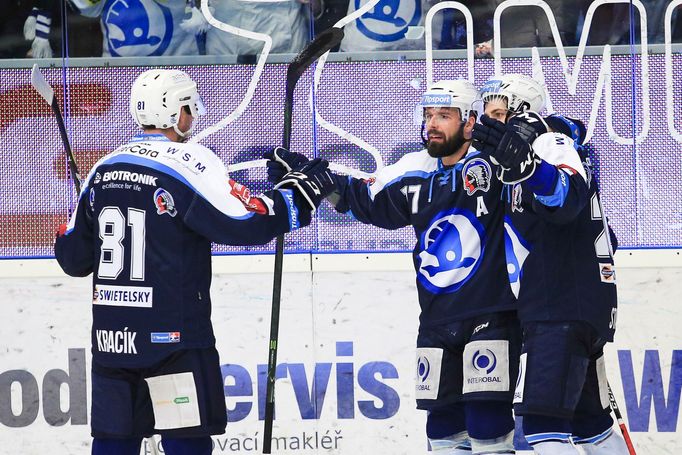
(43, 87)
(321, 44)
(621, 422)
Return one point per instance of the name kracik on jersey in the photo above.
(116, 341)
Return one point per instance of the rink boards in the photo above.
(345, 366)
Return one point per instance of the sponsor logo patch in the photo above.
(607, 273)
(131, 296)
(429, 361)
(486, 366)
(165, 337)
(127, 176)
(517, 193)
(520, 380)
(436, 100)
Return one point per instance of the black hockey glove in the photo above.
(281, 161)
(313, 180)
(515, 153)
(488, 134)
(528, 125)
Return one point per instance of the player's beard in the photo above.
(447, 147)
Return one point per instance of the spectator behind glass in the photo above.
(141, 28)
(33, 29)
(614, 23)
(287, 22)
(527, 26)
(389, 25)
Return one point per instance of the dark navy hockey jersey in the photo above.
(457, 216)
(143, 226)
(559, 246)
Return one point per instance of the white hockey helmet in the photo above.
(523, 93)
(458, 93)
(158, 95)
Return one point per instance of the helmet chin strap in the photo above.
(180, 133)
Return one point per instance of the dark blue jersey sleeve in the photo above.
(385, 207)
(74, 247)
(268, 216)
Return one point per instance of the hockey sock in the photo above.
(445, 421)
(540, 429)
(555, 448)
(488, 419)
(187, 446)
(102, 446)
(608, 443)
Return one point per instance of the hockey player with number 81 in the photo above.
(143, 227)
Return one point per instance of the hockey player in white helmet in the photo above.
(511, 94)
(560, 261)
(143, 226)
(469, 339)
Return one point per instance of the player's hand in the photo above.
(312, 180)
(488, 134)
(62, 230)
(281, 161)
(529, 125)
(515, 153)
(516, 159)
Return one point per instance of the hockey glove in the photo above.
(488, 134)
(281, 161)
(312, 180)
(515, 153)
(37, 29)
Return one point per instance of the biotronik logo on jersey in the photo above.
(137, 28)
(389, 19)
(452, 248)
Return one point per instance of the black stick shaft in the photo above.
(73, 168)
(276, 296)
(323, 43)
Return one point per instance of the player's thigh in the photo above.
(120, 405)
(187, 394)
(491, 357)
(593, 412)
(553, 367)
(439, 365)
